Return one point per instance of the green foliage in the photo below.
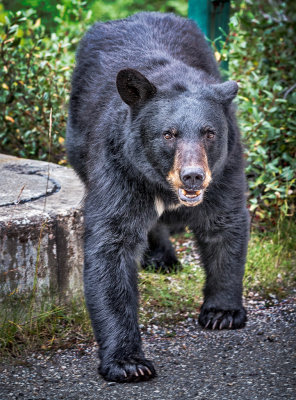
(47, 10)
(109, 9)
(35, 78)
(36, 65)
(262, 59)
(270, 267)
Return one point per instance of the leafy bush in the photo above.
(101, 10)
(110, 9)
(45, 9)
(36, 66)
(262, 59)
(35, 75)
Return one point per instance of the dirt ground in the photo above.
(257, 362)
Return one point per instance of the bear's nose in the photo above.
(192, 177)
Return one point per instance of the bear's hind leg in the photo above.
(160, 255)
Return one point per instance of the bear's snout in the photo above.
(192, 177)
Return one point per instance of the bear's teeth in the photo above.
(191, 194)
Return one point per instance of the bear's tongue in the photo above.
(190, 193)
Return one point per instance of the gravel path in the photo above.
(257, 362)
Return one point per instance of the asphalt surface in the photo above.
(257, 362)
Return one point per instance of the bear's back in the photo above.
(144, 39)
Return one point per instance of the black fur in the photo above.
(143, 90)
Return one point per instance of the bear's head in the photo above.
(181, 136)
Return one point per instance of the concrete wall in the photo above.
(41, 228)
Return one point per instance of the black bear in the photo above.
(153, 135)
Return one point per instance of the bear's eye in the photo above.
(210, 134)
(169, 135)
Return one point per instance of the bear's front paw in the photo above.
(129, 370)
(213, 318)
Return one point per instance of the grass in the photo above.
(48, 325)
(270, 268)
(165, 299)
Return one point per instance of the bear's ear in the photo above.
(134, 87)
(225, 92)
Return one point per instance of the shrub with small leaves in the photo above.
(110, 9)
(261, 50)
(35, 78)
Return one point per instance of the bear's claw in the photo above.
(213, 318)
(131, 370)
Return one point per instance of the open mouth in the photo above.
(190, 197)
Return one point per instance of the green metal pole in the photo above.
(199, 11)
(210, 16)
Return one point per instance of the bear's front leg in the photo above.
(223, 253)
(114, 242)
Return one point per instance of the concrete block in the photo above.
(41, 228)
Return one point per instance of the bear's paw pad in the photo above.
(212, 318)
(129, 370)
